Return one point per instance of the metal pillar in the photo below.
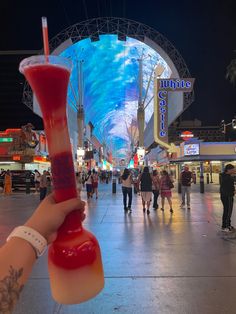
(211, 172)
(201, 177)
(80, 113)
(141, 112)
(140, 118)
(179, 181)
(80, 121)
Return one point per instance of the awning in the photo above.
(204, 158)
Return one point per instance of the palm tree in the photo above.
(231, 72)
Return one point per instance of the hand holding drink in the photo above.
(74, 259)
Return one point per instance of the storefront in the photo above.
(205, 159)
(23, 149)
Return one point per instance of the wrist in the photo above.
(37, 227)
(33, 237)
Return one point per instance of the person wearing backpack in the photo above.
(145, 180)
(186, 178)
(126, 181)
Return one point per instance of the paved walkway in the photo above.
(158, 264)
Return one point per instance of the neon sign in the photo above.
(186, 135)
(6, 139)
(162, 87)
(163, 96)
(183, 85)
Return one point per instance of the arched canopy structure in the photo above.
(106, 45)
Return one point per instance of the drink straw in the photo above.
(45, 37)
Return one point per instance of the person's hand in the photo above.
(49, 216)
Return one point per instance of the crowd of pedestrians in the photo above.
(151, 185)
(89, 180)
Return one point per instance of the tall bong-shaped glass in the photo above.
(74, 259)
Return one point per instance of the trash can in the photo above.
(113, 186)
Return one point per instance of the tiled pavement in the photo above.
(158, 264)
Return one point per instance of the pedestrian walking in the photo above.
(126, 181)
(88, 182)
(227, 191)
(95, 183)
(43, 185)
(49, 183)
(166, 184)
(37, 176)
(145, 180)
(186, 178)
(155, 188)
(7, 183)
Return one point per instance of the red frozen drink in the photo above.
(75, 266)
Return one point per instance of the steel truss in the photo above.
(122, 27)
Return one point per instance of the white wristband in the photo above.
(38, 242)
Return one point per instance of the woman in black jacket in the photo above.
(227, 191)
(145, 180)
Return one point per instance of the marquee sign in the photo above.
(161, 89)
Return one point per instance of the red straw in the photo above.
(45, 36)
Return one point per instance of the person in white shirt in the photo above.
(127, 189)
(37, 176)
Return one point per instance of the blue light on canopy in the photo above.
(110, 72)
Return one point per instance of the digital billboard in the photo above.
(191, 149)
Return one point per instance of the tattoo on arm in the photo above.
(10, 290)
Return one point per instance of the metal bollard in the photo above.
(114, 186)
(208, 178)
(201, 184)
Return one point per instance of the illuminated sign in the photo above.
(16, 157)
(140, 152)
(6, 139)
(186, 135)
(40, 159)
(162, 87)
(80, 152)
(191, 150)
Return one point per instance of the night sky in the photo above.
(204, 32)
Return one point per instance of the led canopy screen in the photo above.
(110, 69)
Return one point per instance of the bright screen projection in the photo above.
(110, 70)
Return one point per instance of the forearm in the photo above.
(17, 258)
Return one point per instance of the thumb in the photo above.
(68, 206)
